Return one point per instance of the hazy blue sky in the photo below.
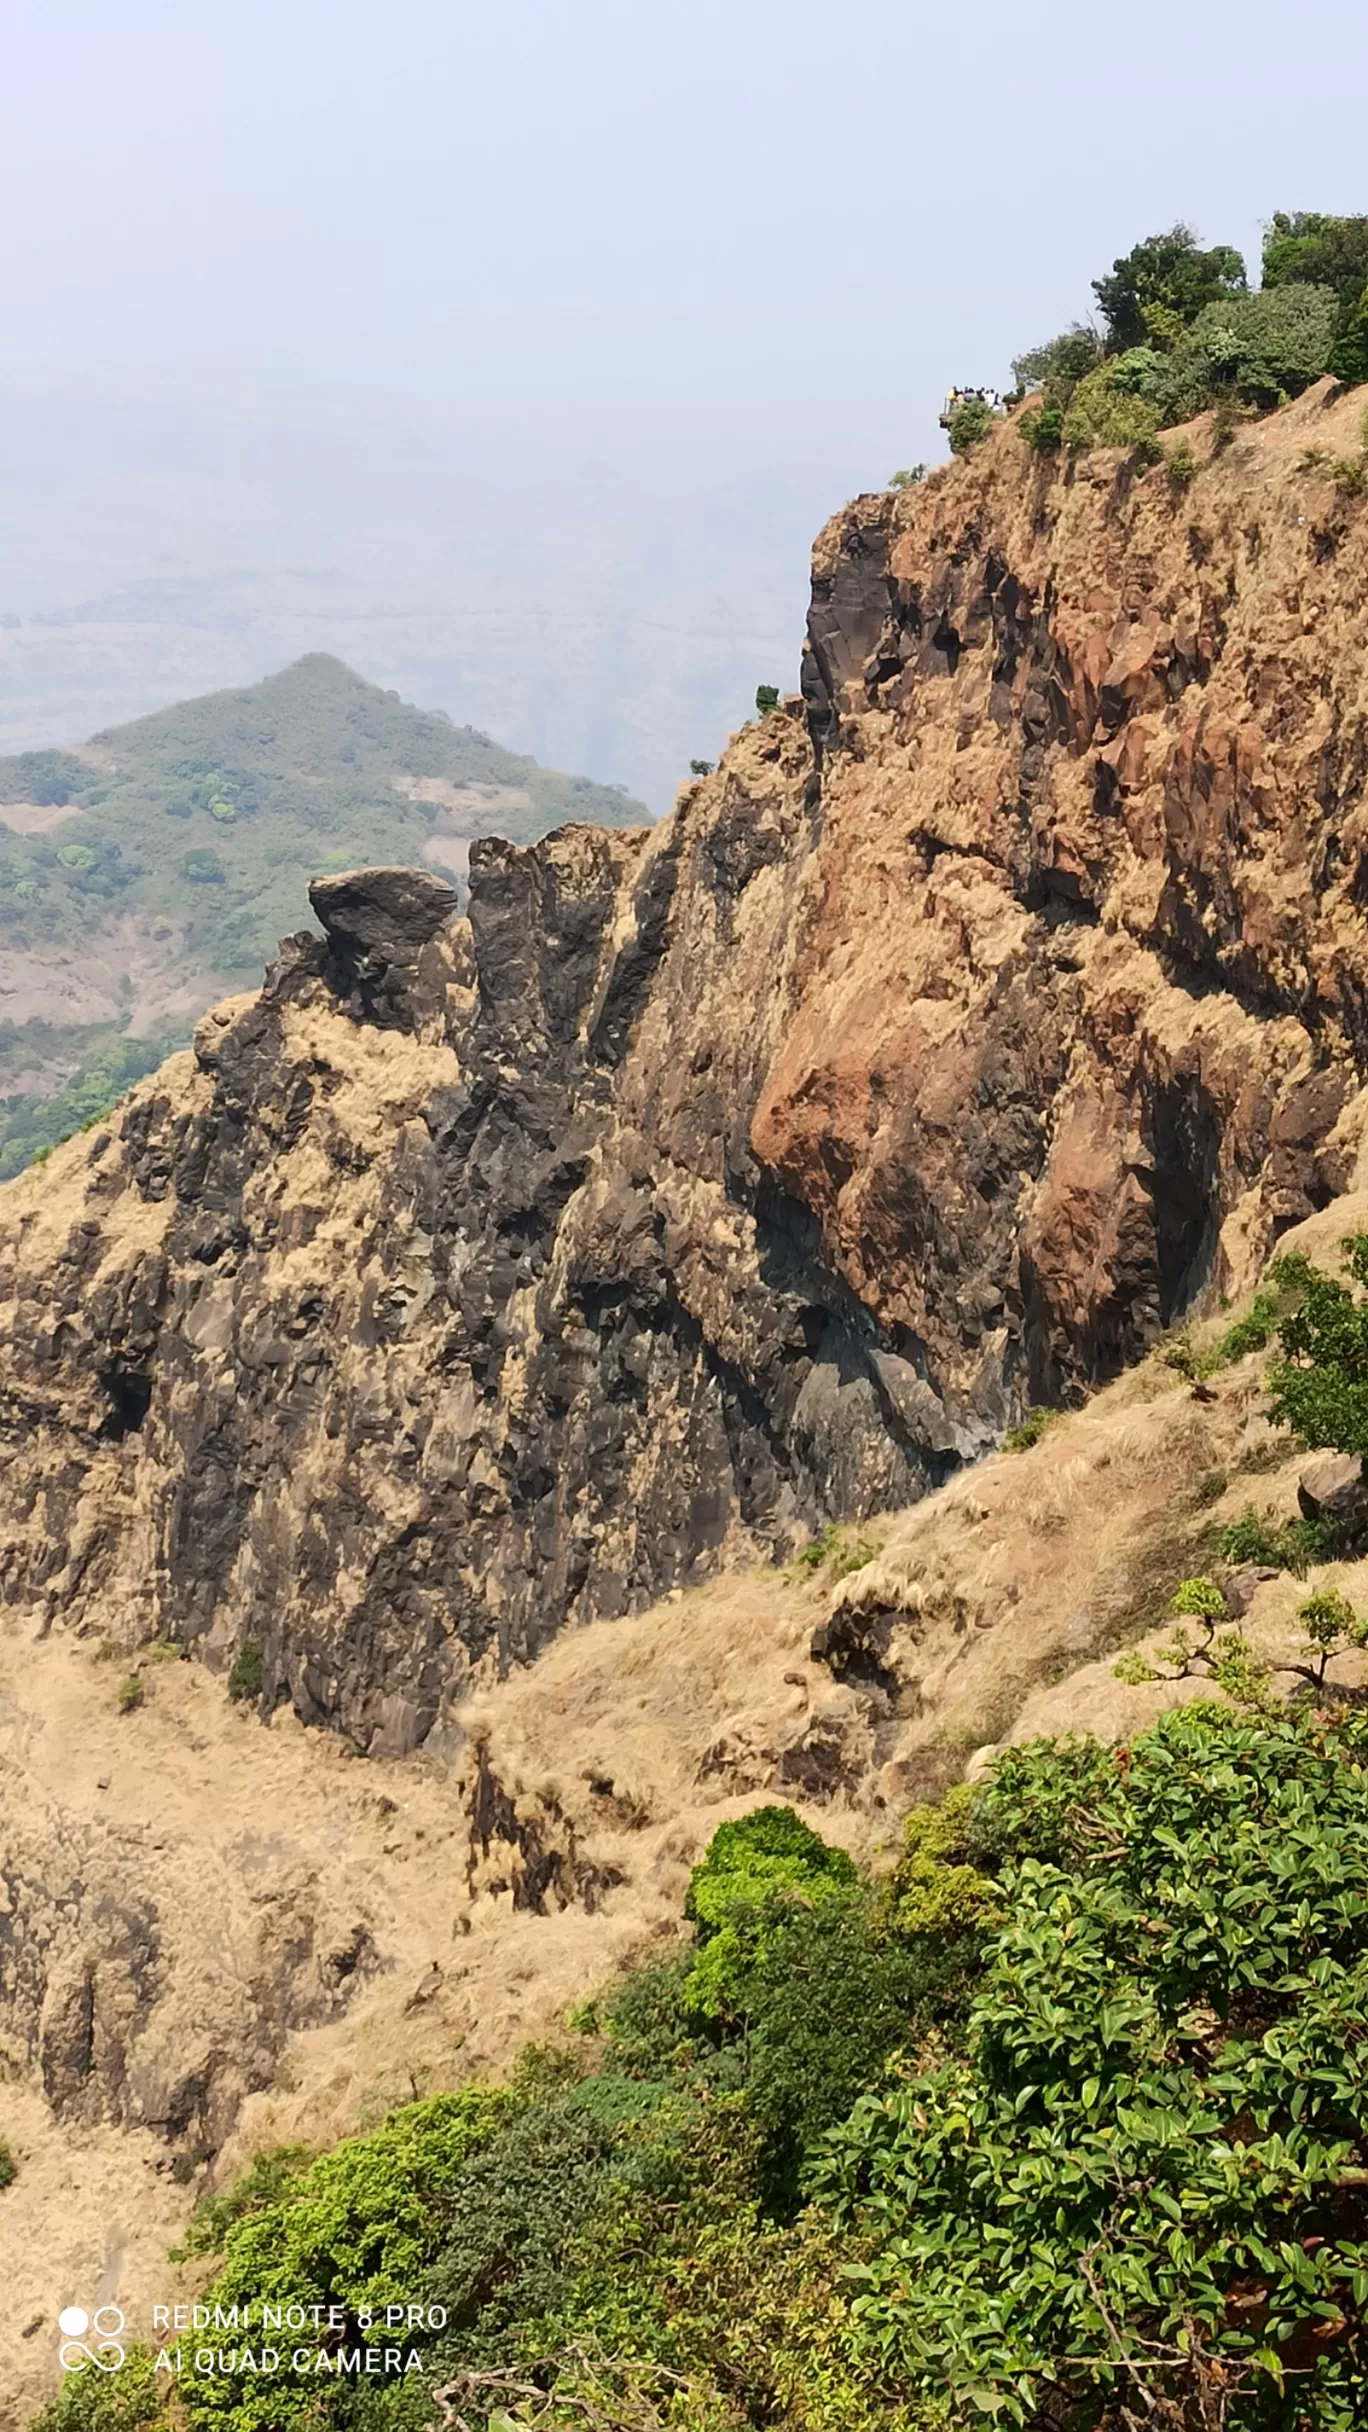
(581, 238)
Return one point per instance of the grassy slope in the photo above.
(203, 824)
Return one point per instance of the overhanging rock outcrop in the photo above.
(996, 1000)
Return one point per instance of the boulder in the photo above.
(1240, 1586)
(378, 917)
(1333, 1488)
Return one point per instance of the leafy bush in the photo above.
(1108, 412)
(203, 868)
(126, 2401)
(766, 1856)
(1349, 354)
(1332, 1628)
(908, 478)
(1153, 292)
(131, 1695)
(1028, 1431)
(356, 2230)
(1279, 1545)
(1253, 1331)
(248, 1670)
(970, 421)
(1054, 371)
(766, 699)
(1043, 430)
(1258, 349)
(818, 1549)
(1143, 2178)
(1319, 1387)
(1220, 1656)
(9, 2168)
(936, 1886)
(1182, 465)
(268, 2178)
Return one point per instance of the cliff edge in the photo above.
(1001, 998)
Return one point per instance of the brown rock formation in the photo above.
(997, 1000)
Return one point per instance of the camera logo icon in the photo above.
(105, 2327)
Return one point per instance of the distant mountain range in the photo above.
(153, 868)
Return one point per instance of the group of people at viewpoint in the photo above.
(971, 396)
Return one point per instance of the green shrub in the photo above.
(832, 1544)
(908, 479)
(1350, 475)
(1332, 1628)
(766, 699)
(1252, 1332)
(1043, 430)
(131, 1694)
(852, 1554)
(247, 1674)
(1028, 1431)
(1221, 1656)
(1319, 1387)
(700, 768)
(1182, 465)
(1103, 414)
(1258, 349)
(9, 2168)
(269, 2177)
(203, 867)
(818, 1549)
(1162, 2105)
(970, 421)
(1280, 1545)
(770, 1854)
(1349, 354)
(128, 2400)
(936, 1888)
(356, 2230)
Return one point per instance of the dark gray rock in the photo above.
(383, 916)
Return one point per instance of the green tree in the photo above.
(1317, 249)
(970, 420)
(1319, 1387)
(1155, 290)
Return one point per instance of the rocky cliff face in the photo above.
(1000, 997)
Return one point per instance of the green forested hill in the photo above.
(155, 867)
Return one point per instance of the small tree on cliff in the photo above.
(1319, 1387)
(1157, 289)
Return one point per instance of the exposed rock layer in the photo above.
(997, 999)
